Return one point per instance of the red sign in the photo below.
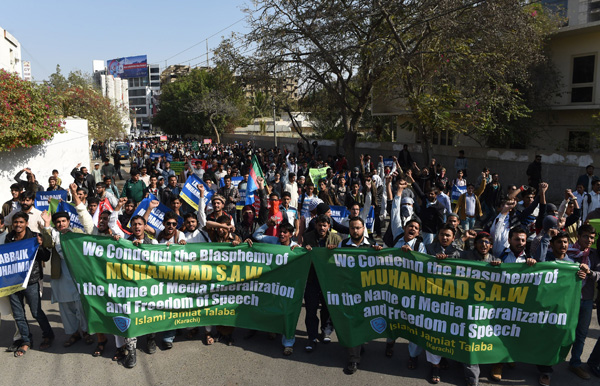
(163, 138)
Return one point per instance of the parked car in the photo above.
(123, 151)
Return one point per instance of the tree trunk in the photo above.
(426, 147)
(210, 119)
(349, 145)
(297, 128)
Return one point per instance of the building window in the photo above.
(133, 93)
(155, 84)
(154, 70)
(579, 141)
(582, 81)
(137, 101)
(444, 138)
(154, 77)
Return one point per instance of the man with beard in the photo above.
(358, 239)
(225, 235)
(284, 237)
(321, 236)
(169, 235)
(128, 346)
(20, 231)
(26, 201)
(64, 291)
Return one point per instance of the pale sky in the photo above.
(72, 33)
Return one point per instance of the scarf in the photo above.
(583, 257)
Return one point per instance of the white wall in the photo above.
(10, 53)
(62, 153)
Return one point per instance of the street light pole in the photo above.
(274, 125)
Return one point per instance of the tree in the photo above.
(204, 102)
(29, 113)
(452, 64)
(78, 95)
(474, 68)
(334, 45)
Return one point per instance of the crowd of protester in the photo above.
(469, 215)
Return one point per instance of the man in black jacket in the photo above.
(20, 231)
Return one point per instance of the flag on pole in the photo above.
(255, 172)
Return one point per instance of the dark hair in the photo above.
(559, 235)
(170, 216)
(101, 185)
(470, 184)
(134, 172)
(415, 221)
(286, 194)
(586, 228)
(138, 217)
(22, 215)
(93, 200)
(222, 219)
(291, 175)
(107, 178)
(356, 219)
(227, 177)
(54, 171)
(105, 211)
(28, 194)
(516, 230)
(321, 219)
(188, 215)
(84, 190)
(286, 226)
(16, 186)
(448, 227)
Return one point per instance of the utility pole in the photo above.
(274, 125)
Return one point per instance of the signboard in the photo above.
(27, 71)
(129, 67)
(207, 141)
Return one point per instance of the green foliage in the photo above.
(78, 95)
(200, 102)
(29, 113)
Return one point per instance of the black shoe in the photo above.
(595, 369)
(311, 345)
(167, 345)
(151, 346)
(130, 360)
(250, 334)
(351, 368)
(15, 345)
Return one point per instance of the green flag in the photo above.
(317, 174)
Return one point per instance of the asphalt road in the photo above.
(255, 361)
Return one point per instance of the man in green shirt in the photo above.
(134, 187)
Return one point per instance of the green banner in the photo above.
(316, 174)
(131, 291)
(195, 146)
(465, 310)
(177, 166)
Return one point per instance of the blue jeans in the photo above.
(17, 303)
(469, 223)
(583, 325)
(169, 336)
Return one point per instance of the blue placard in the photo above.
(16, 260)
(159, 155)
(456, 192)
(190, 193)
(388, 162)
(155, 219)
(128, 67)
(235, 181)
(42, 199)
(64, 206)
(339, 213)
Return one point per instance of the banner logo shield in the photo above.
(379, 325)
(123, 323)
